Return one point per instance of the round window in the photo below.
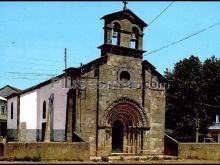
(124, 77)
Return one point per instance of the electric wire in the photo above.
(160, 13)
(185, 38)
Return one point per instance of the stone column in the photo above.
(22, 132)
(128, 140)
(124, 142)
(138, 141)
(131, 140)
(69, 118)
(134, 140)
(49, 120)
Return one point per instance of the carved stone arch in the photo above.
(115, 21)
(135, 26)
(128, 110)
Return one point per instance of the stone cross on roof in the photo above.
(125, 3)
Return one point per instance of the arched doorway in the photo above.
(126, 120)
(117, 136)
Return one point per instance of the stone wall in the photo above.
(86, 105)
(110, 91)
(12, 134)
(154, 137)
(205, 151)
(154, 104)
(48, 151)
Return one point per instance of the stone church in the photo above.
(116, 102)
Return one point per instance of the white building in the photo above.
(3, 116)
(214, 129)
(28, 110)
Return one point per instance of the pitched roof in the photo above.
(9, 86)
(86, 67)
(41, 84)
(35, 87)
(2, 98)
(8, 90)
(125, 14)
(149, 66)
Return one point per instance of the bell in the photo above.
(115, 34)
(133, 37)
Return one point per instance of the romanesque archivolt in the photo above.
(129, 112)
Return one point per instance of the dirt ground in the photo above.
(188, 161)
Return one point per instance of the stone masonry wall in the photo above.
(154, 102)
(109, 74)
(48, 151)
(204, 151)
(154, 138)
(110, 91)
(86, 104)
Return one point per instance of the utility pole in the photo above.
(197, 126)
(65, 58)
(65, 63)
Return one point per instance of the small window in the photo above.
(44, 110)
(96, 72)
(3, 110)
(12, 113)
(125, 76)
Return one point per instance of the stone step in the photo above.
(123, 156)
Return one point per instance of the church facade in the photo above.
(116, 102)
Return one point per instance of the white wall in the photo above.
(12, 123)
(31, 106)
(43, 94)
(28, 109)
(60, 100)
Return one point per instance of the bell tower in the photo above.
(123, 34)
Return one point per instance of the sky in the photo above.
(33, 35)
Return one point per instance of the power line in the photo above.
(33, 58)
(161, 13)
(39, 59)
(173, 43)
(31, 73)
(200, 103)
(185, 38)
(31, 68)
(32, 63)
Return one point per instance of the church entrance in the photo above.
(117, 136)
(125, 122)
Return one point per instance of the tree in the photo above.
(211, 86)
(184, 109)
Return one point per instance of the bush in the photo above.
(28, 158)
(79, 159)
(105, 158)
(36, 158)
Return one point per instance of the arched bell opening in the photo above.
(134, 38)
(116, 34)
